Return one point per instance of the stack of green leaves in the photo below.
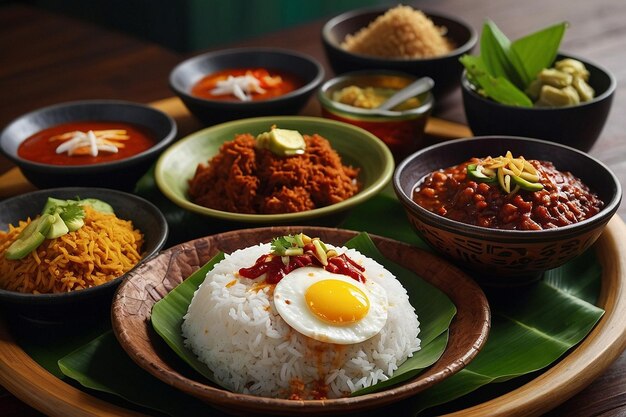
(504, 69)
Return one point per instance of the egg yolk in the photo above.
(337, 302)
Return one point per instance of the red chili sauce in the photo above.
(288, 83)
(39, 147)
(275, 269)
(563, 200)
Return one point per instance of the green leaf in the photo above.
(394, 225)
(433, 307)
(495, 50)
(496, 88)
(167, 316)
(46, 344)
(504, 69)
(569, 290)
(103, 365)
(429, 354)
(538, 50)
(530, 330)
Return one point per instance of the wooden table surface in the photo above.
(47, 58)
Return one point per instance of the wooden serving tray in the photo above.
(27, 380)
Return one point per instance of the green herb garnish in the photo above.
(504, 69)
(294, 245)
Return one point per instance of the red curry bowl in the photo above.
(506, 257)
(277, 61)
(105, 172)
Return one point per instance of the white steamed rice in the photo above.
(233, 327)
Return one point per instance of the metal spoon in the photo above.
(415, 88)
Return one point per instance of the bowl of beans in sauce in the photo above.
(508, 208)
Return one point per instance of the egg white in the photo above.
(290, 302)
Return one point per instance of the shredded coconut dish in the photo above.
(300, 319)
(402, 32)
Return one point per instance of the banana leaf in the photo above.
(530, 330)
(576, 284)
(526, 336)
(432, 306)
(102, 365)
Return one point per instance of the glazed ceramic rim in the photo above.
(454, 226)
(377, 185)
(252, 51)
(465, 47)
(347, 111)
(469, 88)
(160, 144)
(23, 298)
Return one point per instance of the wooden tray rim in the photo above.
(31, 383)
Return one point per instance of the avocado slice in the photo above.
(97, 205)
(58, 228)
(31, 237)
(527, 185)
(52, 205)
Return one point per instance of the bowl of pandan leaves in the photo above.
(528, 87)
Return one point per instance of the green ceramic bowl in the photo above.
(356, 147)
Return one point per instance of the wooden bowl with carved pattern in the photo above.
(502, 257)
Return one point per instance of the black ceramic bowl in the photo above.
(577, 126)
(121, 174)
(445, 69)
(90, 302)
(506, 257)
(189, 72)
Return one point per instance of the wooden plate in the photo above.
(150, 282)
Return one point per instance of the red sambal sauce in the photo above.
(275, 269)
(39, 147)
(287, 83)
(563, 200)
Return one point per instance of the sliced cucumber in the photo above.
(58, 228)
(52, 205)
(31, 237)
(475, 174)
(74, 224)
(97, 205)
(527, 185)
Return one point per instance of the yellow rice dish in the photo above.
(103, 249)
(402, 32)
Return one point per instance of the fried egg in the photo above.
(330, 307)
